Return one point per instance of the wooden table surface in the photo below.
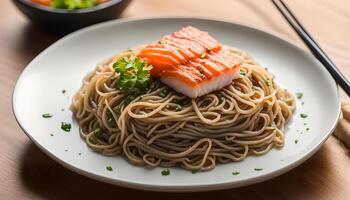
(27, 173)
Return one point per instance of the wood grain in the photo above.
(27, 173)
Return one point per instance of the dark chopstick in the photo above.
(312, 45)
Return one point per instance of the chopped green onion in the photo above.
(165, 172)
(296, 141)
(63, 91)
(242, 73)
(51, 134)
(303, 115)
(258, 169)
(307, 129)
(66, 126)
(194, 171)
(47, 115)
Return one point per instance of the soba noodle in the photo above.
(246, 117)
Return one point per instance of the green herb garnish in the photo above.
(258, 169)
(134, 75)
(47, 115)
(178, 107)
(296, 141)
(63, 91)
(165, 172)
(242, 73)
(66, 126)
(73, 4)
(219, 95)
(109, 168)
(129, 99)
(98, 133)
(305, 124)
(163, 93)
(51, 134)
(221, 99)
(235, 173)
(267, 82)
(303, 115)
(110, 119)
(299, 95)
(194, 171)
(307, 129)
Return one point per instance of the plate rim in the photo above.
(177, 187)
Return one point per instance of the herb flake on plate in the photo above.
(303, 115)
(47, 115)
(165, 172)
(109, 168)
(299, 95)
(235, 173)
(66, 126)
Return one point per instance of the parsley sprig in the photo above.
(134, 75)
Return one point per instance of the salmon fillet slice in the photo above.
(191, 62)
(201, 76)
(178, 48)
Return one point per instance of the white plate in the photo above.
(65, 63)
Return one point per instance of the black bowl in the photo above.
(63, 21)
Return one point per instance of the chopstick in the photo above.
(312, 45)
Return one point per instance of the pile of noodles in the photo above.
(246, 117)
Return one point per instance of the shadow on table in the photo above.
(49, 180)
(32, 40)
